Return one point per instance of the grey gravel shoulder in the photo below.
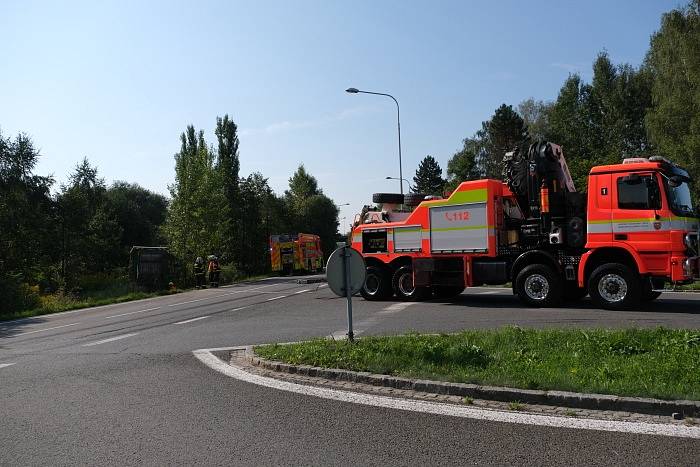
(550, 402)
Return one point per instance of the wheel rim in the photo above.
(372, 284)
(613, 288)
(405, 284)
(537, 287)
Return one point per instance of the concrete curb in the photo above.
(501, 394)
(312, 280)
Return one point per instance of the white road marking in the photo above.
(488, 292)
(322, 286)
(361, 326)
(111, 339)
(192, 320)
(276, 298)
(434, 408)
(45, 329)
(301, 291)
(241, 308)
(132, 312)
(5, 365)
(222, 295)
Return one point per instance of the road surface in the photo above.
(119, 385)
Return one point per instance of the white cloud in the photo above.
(288, 125)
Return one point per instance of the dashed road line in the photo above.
(111, 339)
(222, 295)
(276, 298)
(451, 410)
(45, 329)
(192, 320)
(132, 312)
(301, 291)
(5, 365)
(363, 325)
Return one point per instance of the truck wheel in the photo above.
(614, 286)
(377, 284)
(389, 198)
(538, 285)
(402, 283)
(574, 293)
(413, 199)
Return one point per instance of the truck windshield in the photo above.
(679, 198)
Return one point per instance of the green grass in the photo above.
(56, 303)
(659, 363)
(119, 291)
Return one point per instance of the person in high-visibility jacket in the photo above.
(199, 273)
(214, 271)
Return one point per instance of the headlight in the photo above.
(688, 267)
(691, 241)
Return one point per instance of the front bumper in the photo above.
(684, 268)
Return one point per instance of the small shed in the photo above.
(150, 267)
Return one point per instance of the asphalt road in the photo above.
(119, 385)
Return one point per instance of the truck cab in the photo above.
(640, 215)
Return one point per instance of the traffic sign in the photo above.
(335, 271)
(345, 273)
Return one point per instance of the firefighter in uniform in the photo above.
(214, 271)
(199, 273)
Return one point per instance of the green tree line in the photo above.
(75, 238)
(625, 111)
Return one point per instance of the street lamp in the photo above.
(398, 121)
(402, 179)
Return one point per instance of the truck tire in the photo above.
(615, 286)
(444, 291)
(389, 198)
(402, 283)
(377, 284)
(413, 199)
(538, 285)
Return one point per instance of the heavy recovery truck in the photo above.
(622, 243)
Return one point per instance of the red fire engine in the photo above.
(634, 232)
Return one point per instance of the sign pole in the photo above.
(348, 294)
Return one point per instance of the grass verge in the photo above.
(119, 292)
(660, 363)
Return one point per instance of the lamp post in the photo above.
(398, 122)
(402, 179)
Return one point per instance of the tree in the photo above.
(89, 232)
(302, 185)
(195, 222)
(535, 114)
(504, 132)
(27, 224)
(674, 61)
(228, 166)
(310, 211)
(602, 122)
(428, 178)
(139, 213)
(463, 164)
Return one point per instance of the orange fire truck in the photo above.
(633, 233)
(294, 253)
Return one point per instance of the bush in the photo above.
(16, 295)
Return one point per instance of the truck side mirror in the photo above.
(675, 181)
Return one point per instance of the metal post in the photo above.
(348, 295)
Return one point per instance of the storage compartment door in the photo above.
(459, 228)
(407, 238)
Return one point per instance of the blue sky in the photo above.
(118, 81)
